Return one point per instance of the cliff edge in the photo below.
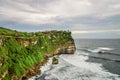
(22, 53)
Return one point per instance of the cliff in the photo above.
(22, 53)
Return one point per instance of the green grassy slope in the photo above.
(20, 51)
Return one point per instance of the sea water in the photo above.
(94, 59)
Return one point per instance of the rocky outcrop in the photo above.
(28, 51)
(1, 41)
(4, 74)
(54, 60)
(69, 49)
(66, 49)
(27, 42)
(34, 70)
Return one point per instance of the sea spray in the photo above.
(75, 67)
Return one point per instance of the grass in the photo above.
(18, 58)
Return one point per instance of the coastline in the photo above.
(35, 70)
(74, 67)
(24, 52)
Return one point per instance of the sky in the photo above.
(84, 18)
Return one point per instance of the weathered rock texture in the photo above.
(54, 60)
(66, 50)
(22, 54)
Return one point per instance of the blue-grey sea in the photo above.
(103, 51)
(94, 59)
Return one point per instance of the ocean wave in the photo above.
(75, 67)
(99, 50)
(98, 57)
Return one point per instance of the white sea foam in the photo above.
(105, 48)
(102, 49)
(46, 66)
(75, 67)
(79, 61)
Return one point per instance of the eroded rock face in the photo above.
(54, 60)
(27, 42)
(66, 50)
(4, 74)
(24, 78)
(1, 41)
(71, 49)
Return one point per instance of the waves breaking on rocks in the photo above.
(74, 67)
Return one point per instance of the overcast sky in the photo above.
(85, 18)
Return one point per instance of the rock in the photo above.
(69, 51)
(1, 42)
(24, 78)
(100, 52)
(15, 78)
(54, 60)
(66, 50)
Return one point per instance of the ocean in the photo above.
(109, 58)
(94, 59)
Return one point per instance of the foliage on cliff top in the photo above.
(20, 51)
(9, 32)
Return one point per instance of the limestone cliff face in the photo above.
(27, 42)
(67, 49)
(28, 51)
(1, 42)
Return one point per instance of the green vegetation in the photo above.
(54, 60)
(20, 51)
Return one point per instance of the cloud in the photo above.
(96, 31)
(52, 11)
